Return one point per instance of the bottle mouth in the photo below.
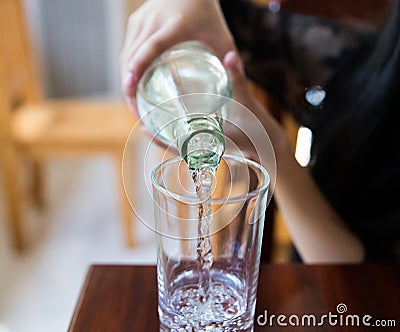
(201, 141)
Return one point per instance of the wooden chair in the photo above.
(34, 128)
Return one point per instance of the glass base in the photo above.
(206, 329)
(224, 309)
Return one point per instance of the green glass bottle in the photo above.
(180, 98)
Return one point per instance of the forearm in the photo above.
(317, 231)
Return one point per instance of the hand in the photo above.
(244, 96)
(158, 25)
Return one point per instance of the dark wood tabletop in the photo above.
(122, 298)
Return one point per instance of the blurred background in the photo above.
(61, 203)
(75, 46)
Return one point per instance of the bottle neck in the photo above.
(200, 141)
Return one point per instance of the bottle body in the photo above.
(187, 69)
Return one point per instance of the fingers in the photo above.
(240, 131)
(156, 26)
(146, 30)
(216, 33)
(234, 66)
(133, 30)
(151, 46)
(155, 44)
(132, 105)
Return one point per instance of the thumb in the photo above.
(132, 105)
(234, 66)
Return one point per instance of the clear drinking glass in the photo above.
(218, 293)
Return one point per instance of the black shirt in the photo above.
(356, 148)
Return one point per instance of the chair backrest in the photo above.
(20, 74)
(19, 81)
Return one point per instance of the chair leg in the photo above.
(13, 195)
(127, 213)
(37, 184)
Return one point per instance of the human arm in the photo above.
(317, 231)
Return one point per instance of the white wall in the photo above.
(61, 65)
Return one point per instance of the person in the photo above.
(343, 208)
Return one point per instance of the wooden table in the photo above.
(124, 298)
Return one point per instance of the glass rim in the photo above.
(265, 181)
